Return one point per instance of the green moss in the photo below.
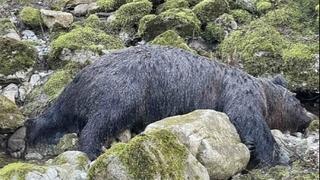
(209, 10)
(193, 2)
(15, 56)
(31, 16)
(83, 162)
(19, 170)
(241, 16)
(314, 125)
(59, 79)
(111, 5)
(171, 4)
(10, 115)
(58, 5)
(93, 21)
(6, 26)
(263, 6)
(171, 38)
(148, 155)
(183, 21)
(213, 33)
(299, 66)
(85, 38)
(258, 45)
(129, 15)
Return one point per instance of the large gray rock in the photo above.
(212, 138)
(56, 18)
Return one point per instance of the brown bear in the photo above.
(134, 87)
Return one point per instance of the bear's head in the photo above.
(284, 110)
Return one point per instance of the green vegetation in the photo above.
(19, 170)
(6, 26)
(85, 38)
(213, 33)
(128, 15)
(171, 4)
(110, 5)
(31, 16)
(145, 156)
(209, 10)
(171, 38)
(10, 115)
(183, 21)
(241, 16)
(15, 56)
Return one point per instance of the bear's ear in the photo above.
(280, 80)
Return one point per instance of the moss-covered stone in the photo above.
(213, 33)
(146, 156)
(6, 26)
(172, 4)
(259, 46)
(93, 21)
(263, 6)
(57, 81)
(19, 171)
(314, 125)
(10, 116)
(111, 5)
(300, 66)
(171, 38)
(82, 38)
(241, 16)
(183, 21)
(15, 56)
(209, 10)
(31, 16)
(128, 15)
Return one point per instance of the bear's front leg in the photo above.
(255, 134)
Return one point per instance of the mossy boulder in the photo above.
(259, 46)
(171, 38)
(211, 138)
(6, 26)
(111, 5)
(172, 4)
(154, 155)
(183, 21)
(213, 33)
(128, 15)
(209, 10)
(241, 16)
(15, 55)
(82, 38)
(10, 116)
(19, 171)
(93, 21)
(31, 16)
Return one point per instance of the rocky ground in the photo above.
(43, 44)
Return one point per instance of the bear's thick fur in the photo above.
(132, 88)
